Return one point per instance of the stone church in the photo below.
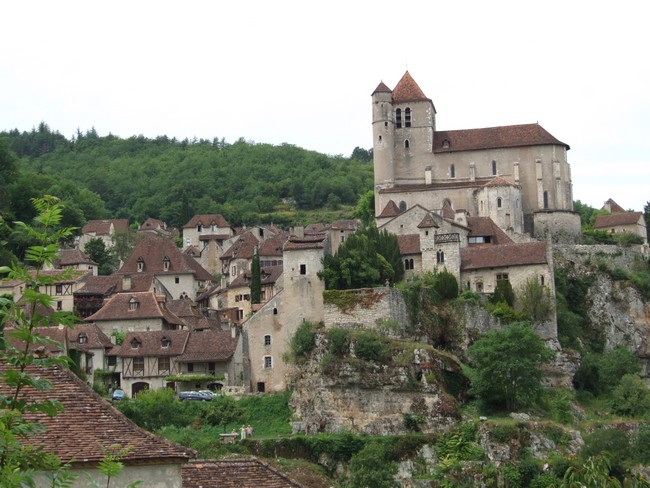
(516, 175)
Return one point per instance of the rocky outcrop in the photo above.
(402, 393)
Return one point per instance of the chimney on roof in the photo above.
(126, 283)
(299, 231)
(233, 331)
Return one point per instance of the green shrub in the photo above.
(503, 293)
(328, 363)
(504, 433)
(627, 239)
(304, 340)
(613, 442)
(153, 409)
(446, 285)
(641, 445)
(631, 397)
(469, 296)
(370, 467)
(338, 341)
(601, 373)
(535, 300)
(371, 346)
(618, 274)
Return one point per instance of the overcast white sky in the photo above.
(302, 72)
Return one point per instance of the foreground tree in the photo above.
(507, 366)
(19, 461)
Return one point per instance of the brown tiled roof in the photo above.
(153, 224)
(428, 222)
(613, 206)
(150, 343)
(523, 254)
(447, 212)
(348, 224)
(318, 228)
(407, 90)
(207, 220)
(273, 245)
(243, 248)
(493, 137)
(381, 88)
(95, 338)
(268, 275)
(390, 210)
(62, 276)
(208, 345)
(499, 181)
(183, 307)
(70, 257)
(234, 473)
(485, 226)
(625, 218)
(89, 424)
(409, 244)
(118, 308)
(214, 237)
(57, 334)
(314, 241)
(107, 285)
(153, 251)
(103, 227)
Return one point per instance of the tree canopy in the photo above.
(507, 363)
(367, 258)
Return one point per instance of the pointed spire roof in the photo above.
(428, 222)
(447, 212)
(407, 90)
(381, 88)
(390, 210)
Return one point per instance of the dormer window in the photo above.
(166, 262)
(199, 227)
(165, 342)
(133, 303)
(213, 228)
(445, 144)
(82, 338)
(140, 264)
(135, 343)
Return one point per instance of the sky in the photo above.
(302, 73)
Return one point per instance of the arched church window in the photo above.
(379, 138)
(494, 168)
(440, 256)
(402, 206)
(499, 202)
(398, 118)
(407, 117)
(545, 199)
(452, 171)
(407, 144)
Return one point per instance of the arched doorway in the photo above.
(138, 387)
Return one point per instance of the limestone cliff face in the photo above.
(615, 308)
(374, 397)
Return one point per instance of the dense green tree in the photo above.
(372, 467)
(365, 210)
(646, 217)
(367, 258)
(601, 373)
(361, 154)
(535, 300)
(631, 397)
(507, 364)
(503, 293)
(97, 251)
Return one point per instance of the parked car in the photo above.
(209, 393)
(194, 395)
(118, 395)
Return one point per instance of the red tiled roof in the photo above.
(500, 256)
(107, 285)
(447, 212)
(62, 276)
(234, 473)
(407, 90)
(498, 181)
(409, 244)
(318, 228)
(208, 345)
(70, 257)
(390, 210)
(349, 224)
(151, 344)
(613, 207)
(57, 334)
(89, 424)
(485, 226)
(95, 338)
(268, 275)
(613, 220)
(206, 220)
(493, 137)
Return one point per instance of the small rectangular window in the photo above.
(190, 367)
(138, 365)
(111, 361)
(268, 362)
(267, 340)
(303, 269)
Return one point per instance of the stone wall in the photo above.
(614, 256)
(559, 226)
(372, 305)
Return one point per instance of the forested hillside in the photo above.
(135, 178)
